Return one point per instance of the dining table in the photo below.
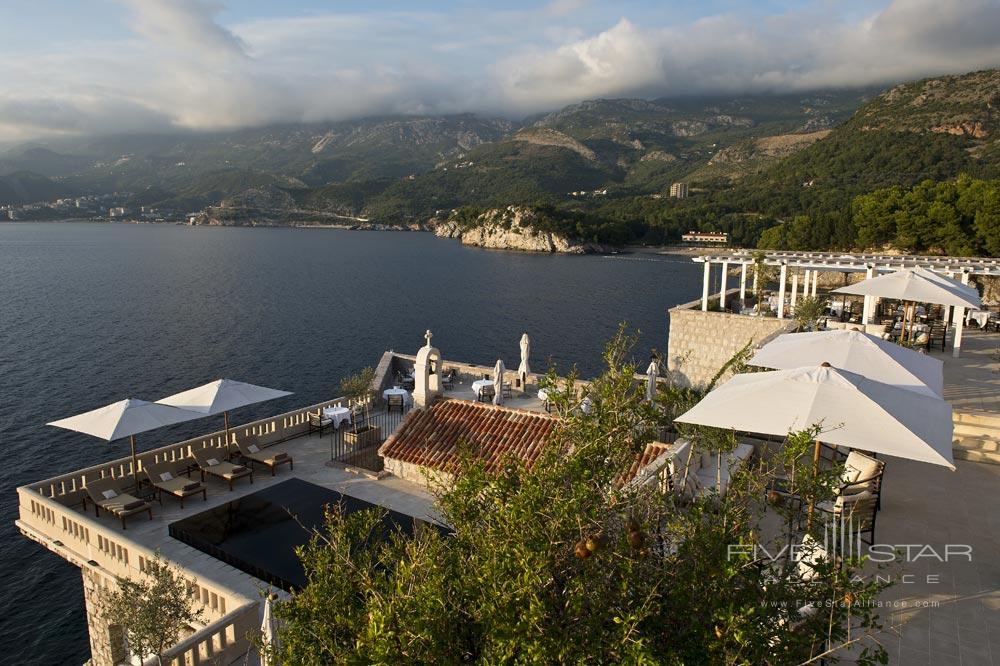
(479, 385)
(981, 317)
(398, 390)
(337, 414)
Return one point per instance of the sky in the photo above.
(80, 67)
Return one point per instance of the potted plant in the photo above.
(357, 388)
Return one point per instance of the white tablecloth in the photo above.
(407, 398)
(981, 317)
(917, 328)
(338, 415)
(543, 395)
(479, 385)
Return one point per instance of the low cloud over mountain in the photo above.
(185, 64)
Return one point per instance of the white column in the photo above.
(782, 278)
(805, 284)
(722, 285)
(704, 286)
(959, 322)
(866, 313)
(795, 288)
(949, 311)
(815, 283)
(743, 284)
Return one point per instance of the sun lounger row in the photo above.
(166, 478)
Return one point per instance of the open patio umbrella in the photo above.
(858, 352)
(523, 370)
(916, 285)
(220, 396)
(651, 374)
(126, 418)
(854, 411)
(498, 370)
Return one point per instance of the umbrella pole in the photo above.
(809, 517)
(225, 420)
(135, 463)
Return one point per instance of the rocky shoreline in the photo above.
(513, 228)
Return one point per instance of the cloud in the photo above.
(180, 67)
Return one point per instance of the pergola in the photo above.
(813, 263)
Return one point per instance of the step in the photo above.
(977, 419)
(963, 430)
(975, 444)
(977, 456)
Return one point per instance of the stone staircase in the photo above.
(977, 437)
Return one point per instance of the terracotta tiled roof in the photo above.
(652, 451)
(431, 437)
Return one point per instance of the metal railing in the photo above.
(357, 444)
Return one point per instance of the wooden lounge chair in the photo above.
(213, 462)
(106, 494)
(165, 479)
(271, 459)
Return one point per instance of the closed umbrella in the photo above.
(652, 372)
(269, 635)
(858, 352)
(498, 383)
(220, 396)
(855, 411)
(126, 418)
(523, 370)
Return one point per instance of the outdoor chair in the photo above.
(938, 335)
(319, 423)
(855, 514)
(395, 401)
(506, 392)
(448, 380)
(106, 494)
(164, 478)
(212, 461)
(487, 393)
(409, 383)
(270, 459)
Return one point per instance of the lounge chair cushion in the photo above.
(137, 504)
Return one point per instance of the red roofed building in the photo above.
(430, 439)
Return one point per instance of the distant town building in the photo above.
(117, 211)
(679, 190)
(706, 237)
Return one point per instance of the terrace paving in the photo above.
(971, 382)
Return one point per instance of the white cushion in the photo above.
(253, 448)
(862, 466)
(212, 461)
(166, 476)
(110, 494)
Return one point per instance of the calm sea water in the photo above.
(91, 314)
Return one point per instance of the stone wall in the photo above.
(701, 342)
(107, 641)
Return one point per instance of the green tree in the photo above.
(153, 610)
(564, 562)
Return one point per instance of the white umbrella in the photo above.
(523, 370)
(858, 352)
(498, 383)
(651, 373)
(854, 411)
(917, 285)
(220, 396)
(269, 633)
(126, 418)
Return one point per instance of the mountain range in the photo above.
(749, 160)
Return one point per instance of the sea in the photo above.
(94, 313)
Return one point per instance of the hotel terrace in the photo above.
(955, 612)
